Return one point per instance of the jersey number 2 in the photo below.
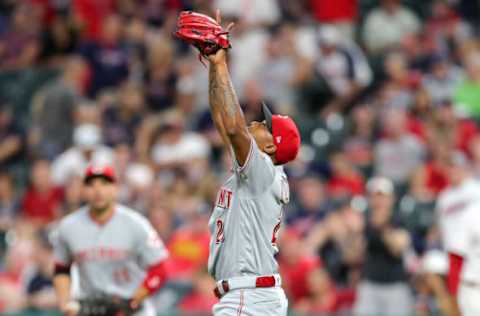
(220, 232)
(275, 233)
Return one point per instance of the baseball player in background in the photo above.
(469, 289)
(452, 204)
(119, 256)
(248, 211)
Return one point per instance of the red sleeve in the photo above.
(455, 263)
(155, 278)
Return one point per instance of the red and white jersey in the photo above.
(246, 219)
(111, 257)
(471, 233)
(451, 209)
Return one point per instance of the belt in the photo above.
(246, 282)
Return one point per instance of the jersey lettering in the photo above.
(224, 198)
(220, 232)
(101, 253)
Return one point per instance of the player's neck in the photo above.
(101, 216)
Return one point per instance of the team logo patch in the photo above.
(224, 198)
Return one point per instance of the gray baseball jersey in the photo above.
(111, 257)
(246, 219)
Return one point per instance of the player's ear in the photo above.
(270, 148)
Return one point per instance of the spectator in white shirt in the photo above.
(387, 25)
(87, 149)
(399, 152)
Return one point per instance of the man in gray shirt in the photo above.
(118, 253)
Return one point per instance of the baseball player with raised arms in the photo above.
(119, 256)
(248, 211)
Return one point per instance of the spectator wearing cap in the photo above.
(386, 25)
(41, 203)
(342, 67)
(87, 148)
(384, 289)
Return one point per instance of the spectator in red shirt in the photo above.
(295, 264)
(345, 180)
(324, 297)
(189, 246)
(432, 177)
(91, 14)
(201, 300)
(42, 200)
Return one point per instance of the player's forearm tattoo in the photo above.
(222, 96)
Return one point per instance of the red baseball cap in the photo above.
(106, 172)
(285, 135)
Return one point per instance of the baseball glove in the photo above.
(203, 32)
(106, 306)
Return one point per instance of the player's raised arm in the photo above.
(225, 108)
(226, 111)
(211, 40)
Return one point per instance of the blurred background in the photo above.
(378, 88)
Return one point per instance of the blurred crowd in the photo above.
(386, 90)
